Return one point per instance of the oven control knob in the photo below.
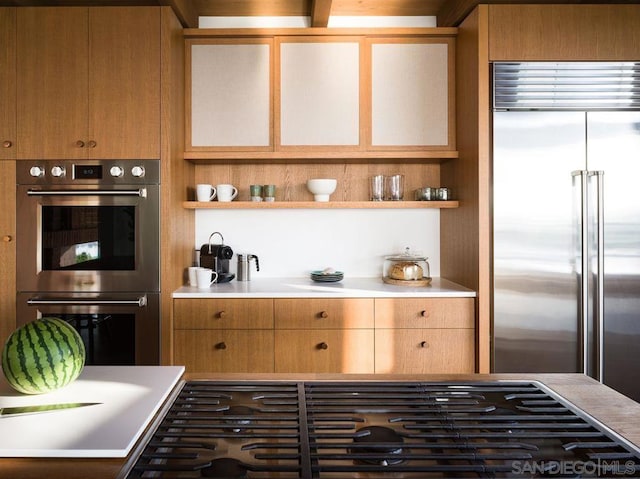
(36, 171)
(57, 171)
(116, 171)
(137, 171)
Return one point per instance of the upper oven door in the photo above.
(88, 238)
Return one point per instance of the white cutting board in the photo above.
(130, 397)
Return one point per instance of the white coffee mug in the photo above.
(205, 192)
(193, 280)
(226, 192)
(205, 277)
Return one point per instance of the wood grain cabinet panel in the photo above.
(7, 249)
(324, 351)
(323, 313)
(424, 312)
(88, 82)
(424, 351)
(224, 350)
(222, 313)
(7, 83)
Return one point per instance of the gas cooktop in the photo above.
(371, 429)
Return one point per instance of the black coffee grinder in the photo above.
(216, 257)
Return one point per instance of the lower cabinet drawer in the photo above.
(422, 351)
(324, 351)
(228, 351)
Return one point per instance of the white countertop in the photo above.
(128, 397)
(306, 288)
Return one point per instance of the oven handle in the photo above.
(140, 301)
(141, 192)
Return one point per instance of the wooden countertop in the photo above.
(618, 412)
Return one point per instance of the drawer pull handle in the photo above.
(424, 313)
(7, 238)
(80, 144)
(423, 344)
(323, 345)
(221, 345)
(7, 144)
(92, 144)
(222, 314)
(324, 314)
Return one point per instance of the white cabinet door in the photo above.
(410, 94)
(230, 94)
(319, 100)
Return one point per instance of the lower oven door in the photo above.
(116, 328)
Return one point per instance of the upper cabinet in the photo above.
(411, 101)
(318, 98)
(564, 32)
(88, 82)
(7, 83)
(365, 94)
(230, 94)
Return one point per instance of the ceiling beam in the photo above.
(320, 12)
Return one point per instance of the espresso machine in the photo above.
(217, 257)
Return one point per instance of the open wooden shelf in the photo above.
(318, 205)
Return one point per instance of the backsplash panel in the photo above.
(292, 243)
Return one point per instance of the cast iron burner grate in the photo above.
(371, 429)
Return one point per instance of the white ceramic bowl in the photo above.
(321, 188)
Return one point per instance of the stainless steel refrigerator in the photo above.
(566, 220)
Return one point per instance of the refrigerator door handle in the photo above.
(599, 275)
(580, 179)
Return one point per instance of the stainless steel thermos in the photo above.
(244, 266)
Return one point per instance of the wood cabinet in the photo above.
(323, 313)
(412, 101)
(370, 93)
(418, 351)
(88, 82)
(224, 335)
(230, 94)
(324, 351)
(224, 350)
(318, 97)
(7, 249)
(328, 335)
(424, 335)
(325, 335)
(7, 83)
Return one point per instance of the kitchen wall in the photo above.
(291, 243)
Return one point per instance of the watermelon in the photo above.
(42, 356)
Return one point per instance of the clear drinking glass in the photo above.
(376, 188)
(394, 187)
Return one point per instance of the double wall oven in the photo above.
(89, 253)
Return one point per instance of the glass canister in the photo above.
(406, 268)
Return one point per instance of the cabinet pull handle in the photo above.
(323, 345)
(7, 238)
(324, 314)
(424, 313)
(80, 144)
(7, 144)
(423, 344)
(92, 144)
(221, 345)
(222, 314)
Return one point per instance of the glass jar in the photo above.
(405, 267)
